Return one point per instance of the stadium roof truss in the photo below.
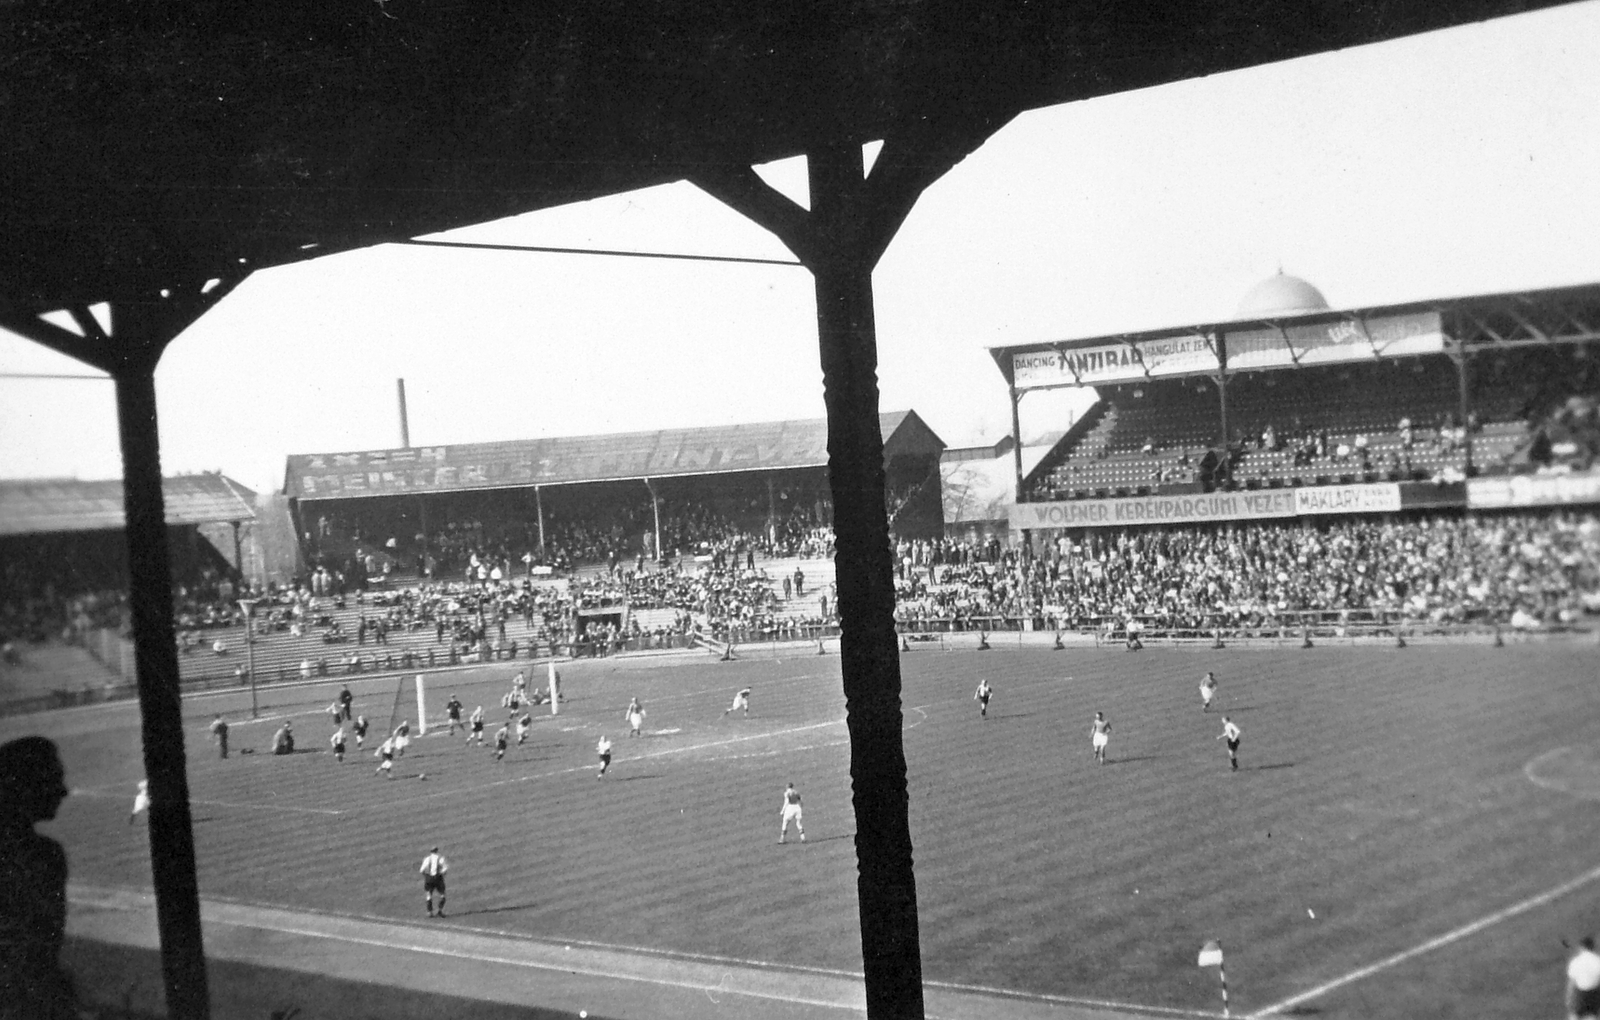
(1567, 316)
(157, 154)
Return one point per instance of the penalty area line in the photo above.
(1429, 946)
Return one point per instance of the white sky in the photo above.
(1455, 163)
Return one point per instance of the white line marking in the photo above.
(136, 899)
(1435, 943)
(1531, 771)
(83, 791)
(1064, 1000)
(566, 968)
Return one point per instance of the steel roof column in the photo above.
(886, 886)
(142, 333)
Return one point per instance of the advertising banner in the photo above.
(1113, 363)
(1210, 506)
(1378, 497)
(1346, 339)
(1533, 490)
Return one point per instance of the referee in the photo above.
(433, 868)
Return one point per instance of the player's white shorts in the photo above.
(141, 802)
(1100, 740)
(636, 720)
(1205, 695)
(739, 703)
(791, 813)
(401, 743)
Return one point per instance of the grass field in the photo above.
(1400, 796)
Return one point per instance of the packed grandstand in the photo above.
(1298, 468)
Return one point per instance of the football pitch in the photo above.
(1412, 832)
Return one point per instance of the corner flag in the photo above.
(1211, 956)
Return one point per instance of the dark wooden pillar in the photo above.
(870, 655)
(1223, 431)
(840, 239)
(141, 327)
(142, 333)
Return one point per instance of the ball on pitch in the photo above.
(422, 775)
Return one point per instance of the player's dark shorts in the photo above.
(983, 699)
(1583, 1003)
(605, 759)
(1233, 745)
(477, 727)
(433, 883)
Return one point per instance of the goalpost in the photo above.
(422, 704)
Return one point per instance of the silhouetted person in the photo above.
(33, 869)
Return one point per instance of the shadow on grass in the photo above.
(830, 839)
(492, 910)
(1279, 765)
(629, 779)
(1137, 757)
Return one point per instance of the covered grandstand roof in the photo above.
(566, 460)
(40, 506)
(1300, 334)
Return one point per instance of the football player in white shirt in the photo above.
(385, 754)
(524, 724)
(1583, 982)
(740, 700)
(1208, 690)
(634, 717)
(982, 696)
(790, 811)
(603, 749)
(1230, 732)
(1100, 736)
(141, 800)
(433, 870)
(477, 726)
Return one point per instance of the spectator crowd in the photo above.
(1530, 569)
